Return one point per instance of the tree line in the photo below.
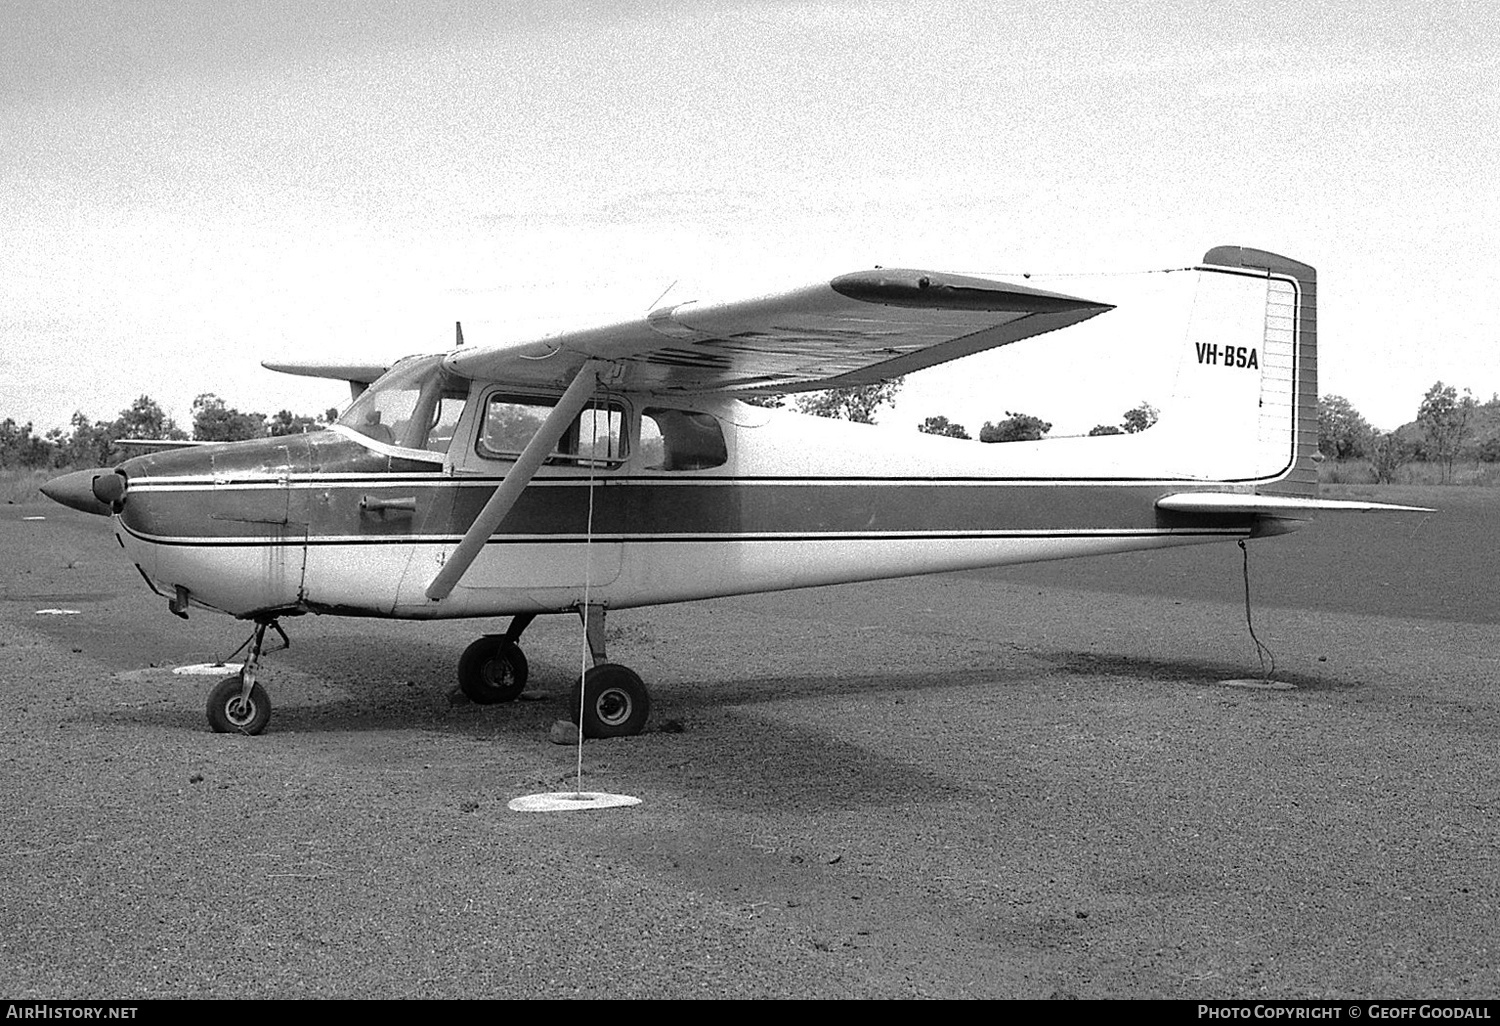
(859, 403)
(86, 443)
(1024, 427)
(1449, 426)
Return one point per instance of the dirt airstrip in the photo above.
(1020, 783)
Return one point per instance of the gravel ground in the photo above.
(1024, 783)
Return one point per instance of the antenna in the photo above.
(663, 295)
(458, 329)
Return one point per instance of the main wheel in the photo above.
(491, 670)
(228, 713)
(615, 702)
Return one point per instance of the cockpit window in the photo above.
(416, 406)
(681, 440)
(595, 438)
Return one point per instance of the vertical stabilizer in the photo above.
(1289, 380)
(1245, 410)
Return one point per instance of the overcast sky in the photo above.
(190, 186)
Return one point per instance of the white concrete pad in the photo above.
(209, 669)
(570, 801)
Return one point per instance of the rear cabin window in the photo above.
(681, 440)
(596, 438)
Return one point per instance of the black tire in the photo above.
(491, 670)
(229, 714)
(615, 702)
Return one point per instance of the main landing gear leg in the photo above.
(614, 702)
(238, 704)
(494, 669)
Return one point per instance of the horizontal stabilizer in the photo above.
(364, 373)
(157, 443)
(1271, 505)
(359, 375)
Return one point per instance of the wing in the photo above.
(856, 329)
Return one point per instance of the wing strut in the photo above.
(542, 445)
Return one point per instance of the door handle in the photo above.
(402, 505)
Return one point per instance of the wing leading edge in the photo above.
(856, 329)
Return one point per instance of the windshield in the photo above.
(416, 405)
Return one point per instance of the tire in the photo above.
(229, 714)
(615, 702)
(491, 670)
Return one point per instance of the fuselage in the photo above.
(339, 522)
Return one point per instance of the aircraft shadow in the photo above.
(710, 741)
(413, 692)
(1185, 671)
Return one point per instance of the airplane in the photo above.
(615, 467)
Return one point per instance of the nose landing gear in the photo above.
(238, 704)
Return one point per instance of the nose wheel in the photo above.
(238, 704)
(230, 711)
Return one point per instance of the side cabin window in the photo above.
(596, 438)
(415, 406)
(681, 440)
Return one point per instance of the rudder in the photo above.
(1291, 329)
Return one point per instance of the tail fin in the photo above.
(1246, 409)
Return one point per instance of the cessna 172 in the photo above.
(614, 467)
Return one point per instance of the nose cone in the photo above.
(79, 491)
